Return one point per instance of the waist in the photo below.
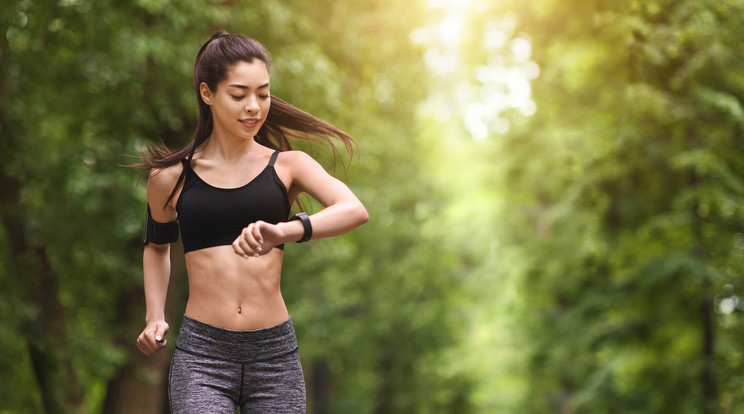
(234, 292)
(212, 341)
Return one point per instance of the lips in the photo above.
(250, 123)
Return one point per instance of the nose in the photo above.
(252, 105)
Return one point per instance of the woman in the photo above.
(229, 191)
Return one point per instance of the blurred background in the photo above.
(555, 187)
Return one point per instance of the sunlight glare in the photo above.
(488, 97)
(450, 30)
(521, 49)
(441, 62)
(494, 39)
(450, 4)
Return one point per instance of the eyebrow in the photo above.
(235, 85)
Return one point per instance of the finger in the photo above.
(160, 330)
(146, 350)
(247, 243)
(158, 336)
(143, 346)
(239, 251)
(153, 339)
(253, 232)
(164, 328)
(237, 247)
(150, 342)
(240, 245)
(257, 235)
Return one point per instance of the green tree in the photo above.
(627, 185)
(78, 92)
(83, 84)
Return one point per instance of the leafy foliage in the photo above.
(577, 246)
(629, 213)
(95, 81)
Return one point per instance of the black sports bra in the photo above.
(212, 216)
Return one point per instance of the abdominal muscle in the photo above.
(233, 292)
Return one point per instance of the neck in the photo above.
(227, 148)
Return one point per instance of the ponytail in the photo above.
(283, 123)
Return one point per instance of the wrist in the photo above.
(291, 231)
(307, 228)
(154, 318)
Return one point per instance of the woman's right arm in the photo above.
(156, 264)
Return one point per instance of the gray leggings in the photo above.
(215, 369)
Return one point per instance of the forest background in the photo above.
(555, 190)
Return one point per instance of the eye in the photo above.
(237, 98)
(263, 96)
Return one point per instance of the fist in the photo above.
(152, 339)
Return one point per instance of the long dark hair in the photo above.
(283, 122)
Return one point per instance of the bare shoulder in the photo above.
(300, 172)
(165, 178)
(160, 183)
(294, 160)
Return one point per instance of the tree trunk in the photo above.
(708, 384)
(318, 387)
(45, 334)
(386, 389)
(707, 375)
(708, 379)
(141, 385)
(49, 347)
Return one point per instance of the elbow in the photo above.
(157, 250)
(362, 215)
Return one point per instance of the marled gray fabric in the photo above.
(215, 369)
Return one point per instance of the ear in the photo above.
(206, 93)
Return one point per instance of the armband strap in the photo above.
(305, 225)
(159, 233)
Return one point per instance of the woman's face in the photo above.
(242, 100)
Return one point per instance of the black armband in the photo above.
(159, 233)
(305, 225)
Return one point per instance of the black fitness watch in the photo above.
(305, 224)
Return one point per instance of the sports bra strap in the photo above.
(273, 158)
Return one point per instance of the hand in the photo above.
(257, 239)
(152, 339)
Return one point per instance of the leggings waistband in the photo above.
(239, 346)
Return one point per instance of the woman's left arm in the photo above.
(342, 210)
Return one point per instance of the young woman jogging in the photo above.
(229, 192)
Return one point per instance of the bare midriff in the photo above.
(233, 292)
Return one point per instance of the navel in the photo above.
(240, 310)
